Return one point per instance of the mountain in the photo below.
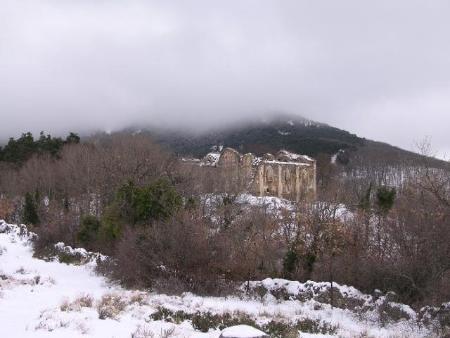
(293, 133)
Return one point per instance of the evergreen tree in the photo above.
(385, 199)
(20, 150)
(30, 215)
(73, 138)
(89, 227)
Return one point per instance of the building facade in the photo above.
(285, 174)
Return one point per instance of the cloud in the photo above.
(381, 70)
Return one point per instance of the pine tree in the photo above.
(30, 215)
(73, 138)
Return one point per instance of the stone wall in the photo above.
(286, 175)
(293, 181)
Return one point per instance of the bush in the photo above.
(203, 321)
(30, 215)
(110, 306)
(6, 208)
(88, 231)
(83, 301)
(157, 201)
(385, 198)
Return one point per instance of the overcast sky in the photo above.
(380, 69)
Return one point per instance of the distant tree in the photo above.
(290, 262)
(72, 138)
(385, 199)
(364, 202)
(30, 215)
(20, 150)
(17, 151)
(47, 144)
(89, 228)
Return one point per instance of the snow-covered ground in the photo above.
(51, 299)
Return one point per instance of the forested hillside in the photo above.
(293, 133)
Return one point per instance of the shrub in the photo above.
(315, 327)
(385, 198)
(80, 302)
(203, 321)
(110, 306)
(170, 316)
(85, 300)
(88, 231)
(157, 201)
(290, 262)
(30, 215)
(6, 208)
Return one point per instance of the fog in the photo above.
(380, 69)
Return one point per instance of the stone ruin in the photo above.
(285, 174)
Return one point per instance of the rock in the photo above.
(242, 331)
(392, 297)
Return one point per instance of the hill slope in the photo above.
(48, 298)
(289, 132)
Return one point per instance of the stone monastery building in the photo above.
(285, 174)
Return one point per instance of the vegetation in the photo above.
(30, 215)
(205, 321)
(124, 196)
(310, 139)
(19, 151)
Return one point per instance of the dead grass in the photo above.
(110, 306)
(82, 301)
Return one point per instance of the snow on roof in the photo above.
(211, 159)
(188, 159)
(256, 161)
(242, 331)
(300, 164)
(306, 157)
(293, 156)
(283, 157)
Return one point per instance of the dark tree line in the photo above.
(18, 151)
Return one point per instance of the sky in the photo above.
(380, 69)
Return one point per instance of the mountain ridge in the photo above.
(284, 131)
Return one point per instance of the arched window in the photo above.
(287, 180)
(269, 174)
(287, 175)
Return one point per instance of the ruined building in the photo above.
(285, 174)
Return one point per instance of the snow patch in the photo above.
(284, 133)
(211, 159)
(242, 331)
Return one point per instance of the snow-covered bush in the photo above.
(82, 301)
(110, 306)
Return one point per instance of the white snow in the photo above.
(271, 202)
(242, 331)
(333, 159)
(48, 299)
(292, 163)
(284, 133)
(211, 159)
(295, 157)
(87, 257)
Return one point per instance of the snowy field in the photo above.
(51, 299)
